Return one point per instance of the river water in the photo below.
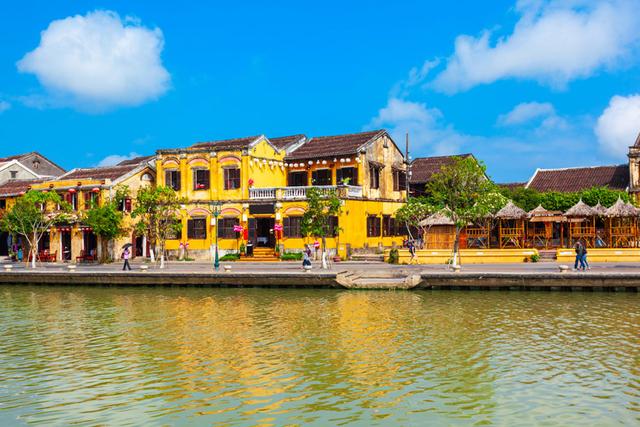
(119, 356)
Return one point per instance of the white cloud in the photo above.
(114, 159)
(99, 61)
(4, 106)
(618, 126)
(425, 126)
(553, 43)
(526, 112)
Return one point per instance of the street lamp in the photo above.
(215, 210)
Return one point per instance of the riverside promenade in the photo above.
(345, 275)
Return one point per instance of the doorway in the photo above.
(5, 243)
(264, 232)
(65, 242)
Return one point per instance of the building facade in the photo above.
(81, 188)
(257, 187)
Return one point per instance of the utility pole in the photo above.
(408, 163)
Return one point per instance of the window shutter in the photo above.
(286, 225)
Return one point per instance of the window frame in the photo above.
(399, 180)
(201, 179)
(292, 227)
(373, 228)
(374, 176)
(315, 173)
(174, 182)
(229, 182)
(199, 233)
(340, 175)
(224, 228)
(303, 182)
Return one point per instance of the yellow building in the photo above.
(80, 187)
(260, 184)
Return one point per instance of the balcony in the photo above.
(300, 193)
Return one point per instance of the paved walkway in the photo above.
(282, 267)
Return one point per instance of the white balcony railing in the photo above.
(300, 193)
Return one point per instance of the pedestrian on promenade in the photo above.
(306, 257)
(580, 250)
(412, 251)
(126, 254)
(585, 263)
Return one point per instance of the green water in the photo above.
(117, 356)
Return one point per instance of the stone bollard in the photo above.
(144, 267)
(227, 268)
(71, 267)
(455, 268)
(563, 268)
(8, 267)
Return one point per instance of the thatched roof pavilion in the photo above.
(621, 209)
(580, 210)
(600, 210)
(511, 211)
(540, 214)
(438, 218)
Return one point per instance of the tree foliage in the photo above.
(158, 216)
(32, 215)
(464, 188)
(528, 199)
(321, 205)
(414, 212)
(107, 221)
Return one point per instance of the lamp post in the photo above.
(215, 210)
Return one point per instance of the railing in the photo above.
(300, 193)
(262, 193)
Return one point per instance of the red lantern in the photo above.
(245, 234)
(95, 190)
(72, 190)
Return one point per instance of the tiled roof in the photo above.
(283, 142)
(135, 161)
(423, 168)
(637, 144)
(227, 144)
(109, 172)
(337, 145)
(512, 185)
(577, 179)
(15, 187)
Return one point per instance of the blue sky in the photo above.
(521, 84)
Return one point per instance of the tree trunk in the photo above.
(104, 256)
(456, 247)
(324, 253)
(33, 250)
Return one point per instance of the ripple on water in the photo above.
(273, 357)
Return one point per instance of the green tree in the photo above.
(158, 212)
(465, 189)
(322, 204)
(32, 215)
(414, 212)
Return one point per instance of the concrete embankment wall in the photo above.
(354, 280)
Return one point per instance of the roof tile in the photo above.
(336, 145)
(577, 179)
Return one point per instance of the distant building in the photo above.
(28, 166)
(422, 169)
(566, 180)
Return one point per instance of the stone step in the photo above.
(367, 257)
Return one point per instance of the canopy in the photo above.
(621, 209)
(580, 209)
(510, 211)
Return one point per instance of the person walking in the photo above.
(412, 250)
(306, 257)
(126, 254)
(585, 263)
(579, 248)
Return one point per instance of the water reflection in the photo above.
(275, 357)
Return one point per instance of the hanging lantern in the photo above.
(95, 190)
(72, 190)
(342, 160)
(324, 162)
(348, 159)
(357, 160)
(264, 161)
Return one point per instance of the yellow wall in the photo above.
(467, 256)
(265, 166)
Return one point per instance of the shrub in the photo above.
(535, 258)
(291, 256)
(230, 257)
(393, 256)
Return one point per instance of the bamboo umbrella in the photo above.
(547, 218)
(511, 235)
(578, 213)
(622, 224)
